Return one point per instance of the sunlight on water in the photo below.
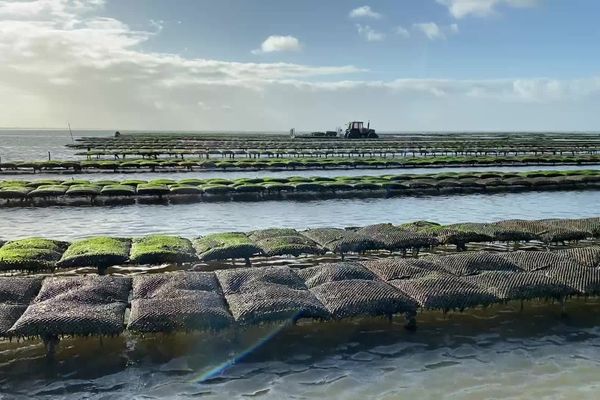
(495, 352)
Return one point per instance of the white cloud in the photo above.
(430, 29)
(43, 8)
(402, 31)
(481, 8)
(369, 34)
(276, 43)
(434, 31)
(364, 12)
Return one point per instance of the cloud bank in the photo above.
(60, 61)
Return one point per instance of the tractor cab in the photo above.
(357, 125)
(357, 130)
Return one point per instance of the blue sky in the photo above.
(267, 64)
(556, 38)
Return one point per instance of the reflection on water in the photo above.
(201, 218)
(496, 352)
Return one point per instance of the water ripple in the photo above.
(201, 218)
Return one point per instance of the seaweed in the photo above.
(396, 238)
(83, 190)
(293, 245)
(217, 189)
(271, 232)
(14, 192)
(309, 187)
(133, 182)
(185, 189)
(162, 182)
(220, 246)
(191, 181)
(160, 249)
(249, 188)
(31, 254)
(279, 187)
(44, 182)
(149, 189)
(98, 252)
(48, 191)
(73, 182)
(118, 190)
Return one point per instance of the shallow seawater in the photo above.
(193, 219)
(35, 144)
(498, 352)
(282, 173)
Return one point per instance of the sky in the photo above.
(405, 65)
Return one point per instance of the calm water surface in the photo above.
(69, 222)
(16, 145)
(282, 174)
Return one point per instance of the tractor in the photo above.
(356, 130)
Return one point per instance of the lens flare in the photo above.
(220, 369)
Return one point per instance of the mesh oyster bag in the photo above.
(396, 238)
(539, 260)
(545, 232)
(444, 291)
(401, 268)
(583, 279)
(333, 272)
(222, 246)
(473, 262)
(343, 240)
(349, 290)
(15, 295)
(508, 285)
(76, 305)
(268, 294)
(586, 256)
(178, 301)
(563, 266)
(324, 236)
(284, 241)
